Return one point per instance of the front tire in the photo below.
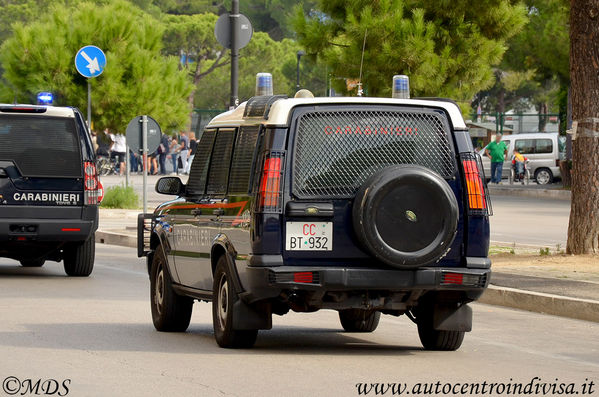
(79, 258)
(357, 320)
(33, 263)
(170, 312)
(223, 301)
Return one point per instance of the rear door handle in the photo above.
(196, 212)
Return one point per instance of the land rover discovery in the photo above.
(359, 205)
(49, 190)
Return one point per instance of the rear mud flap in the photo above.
(448, 318)
(249, 317)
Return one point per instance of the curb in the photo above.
(116, 239)
(554, 194)
(579, 309)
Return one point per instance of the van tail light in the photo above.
(270, 195)
(476, 189)
(94, 192)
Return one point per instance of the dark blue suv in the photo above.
(359, 205)
(49, 188)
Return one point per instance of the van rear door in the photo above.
(333, 151)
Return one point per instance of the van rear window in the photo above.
(41, 146)
(337, 151)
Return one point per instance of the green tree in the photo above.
(262, 54)
(137, 78)
(447, 47)
(539, 56)
(273, 16)
(191, 38)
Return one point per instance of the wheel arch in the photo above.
(223, 247)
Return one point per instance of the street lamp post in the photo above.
(300, 54)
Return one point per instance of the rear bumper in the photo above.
(27, 229)
(268, 282)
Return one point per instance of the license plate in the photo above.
(309, 236)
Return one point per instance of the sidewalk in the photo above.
(553, 191)
(561, 285)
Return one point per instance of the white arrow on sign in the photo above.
(93, 63)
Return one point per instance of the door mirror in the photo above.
(170, 185)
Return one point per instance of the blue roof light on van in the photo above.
(45, 98)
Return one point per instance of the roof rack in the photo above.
(438, 99)
(259, 106)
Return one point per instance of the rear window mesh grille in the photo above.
(337, 151)
(41, 146)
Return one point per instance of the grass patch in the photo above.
(123, 197)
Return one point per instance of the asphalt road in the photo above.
(530, 221)
(97, 332)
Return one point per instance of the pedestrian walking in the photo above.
(496, 151)
(163, 150)
(119, 149)
(184, 151)
(193, 144)
(174, 155)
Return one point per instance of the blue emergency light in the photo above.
(45, 98)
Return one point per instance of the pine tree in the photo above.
(583, 231)
(137, 78)
(447, 47)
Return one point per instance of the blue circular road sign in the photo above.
(90, 61)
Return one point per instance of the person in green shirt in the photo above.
(496, 151)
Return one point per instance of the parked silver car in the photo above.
(542, 149)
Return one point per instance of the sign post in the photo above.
(143, 135)
(234, 31)
(90, 62)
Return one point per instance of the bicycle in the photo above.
(106, 166)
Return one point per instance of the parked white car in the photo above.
(542, 149)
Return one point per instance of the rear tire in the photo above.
(357, 320)
(170, 312)
(223, 302)
(433, 339)
(543, 176)
(33, 263)
(79, 258)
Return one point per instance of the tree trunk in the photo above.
(583, 231)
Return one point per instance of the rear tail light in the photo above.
(270, 195)
(476, 189)
(94, 192)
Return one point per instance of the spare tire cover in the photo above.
(406, 216)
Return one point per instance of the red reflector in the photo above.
(66, 229)
(21, 238)
(453, 278)
(303, 277)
